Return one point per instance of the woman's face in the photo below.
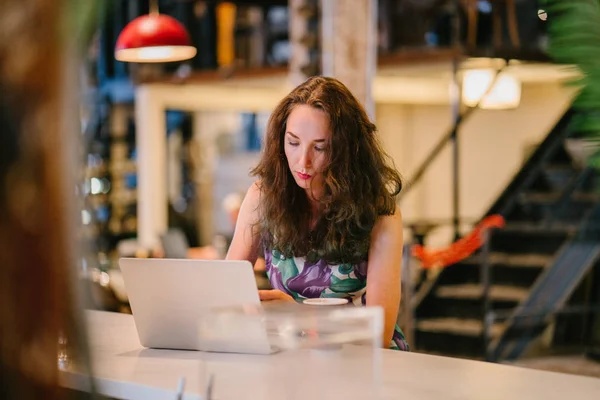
(307, 138)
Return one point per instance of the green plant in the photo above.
(81, 20)
(574, 38)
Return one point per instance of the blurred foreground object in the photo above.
(37, 318)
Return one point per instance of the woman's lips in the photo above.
(303, 176)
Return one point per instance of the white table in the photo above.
(124, 369)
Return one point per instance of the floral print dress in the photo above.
(302, 279)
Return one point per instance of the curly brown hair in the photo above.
(360, 180)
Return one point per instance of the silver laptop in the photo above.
(174, 301)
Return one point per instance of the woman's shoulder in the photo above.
(254, 189)
(253, 194)
(249, 208)
(386, 223)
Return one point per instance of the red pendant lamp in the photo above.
(154, 38)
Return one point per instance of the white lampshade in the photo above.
(505, 94)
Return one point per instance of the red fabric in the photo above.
(460, 249)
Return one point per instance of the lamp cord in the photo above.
(154, 7)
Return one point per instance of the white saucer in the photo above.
(325, 301)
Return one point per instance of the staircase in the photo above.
(536, 261)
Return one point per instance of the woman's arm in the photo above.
(246, 239)
(383, 273)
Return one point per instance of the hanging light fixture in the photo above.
(154, 38)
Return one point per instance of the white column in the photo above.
(151, 142)
(298, 32)
(349, 45)
(207, 126)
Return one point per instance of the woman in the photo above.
(323, 209)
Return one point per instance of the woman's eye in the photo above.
(319, 148)
(293, 144)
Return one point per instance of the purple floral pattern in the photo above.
(274, 274)
(277, 280)
(360, 270)
(312, 281)
(399, 341)
(303, 279)
(280, 270)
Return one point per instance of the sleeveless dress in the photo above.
(302, 279)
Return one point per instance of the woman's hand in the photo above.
(270, 295)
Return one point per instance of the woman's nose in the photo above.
(305, 159)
